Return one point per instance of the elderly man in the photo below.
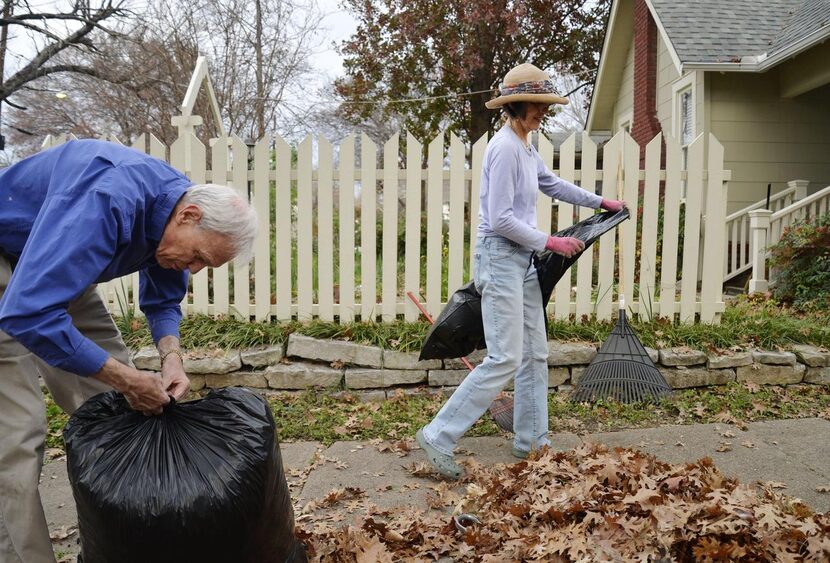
(70, 217)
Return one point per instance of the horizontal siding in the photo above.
(666, 75)
(767, 139)
(625, 98)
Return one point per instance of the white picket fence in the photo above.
(325, 200)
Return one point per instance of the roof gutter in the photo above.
(762, 63)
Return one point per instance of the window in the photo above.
(683, 118)
(624, 122)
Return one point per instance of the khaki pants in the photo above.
(24, 536)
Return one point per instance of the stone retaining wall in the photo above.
(305, 362)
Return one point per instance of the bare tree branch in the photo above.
(90, 18)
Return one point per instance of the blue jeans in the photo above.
(514, 327)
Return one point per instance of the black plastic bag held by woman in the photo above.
(201, 482)
(459, 330)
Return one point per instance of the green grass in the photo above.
(747, 322)
(327, 417)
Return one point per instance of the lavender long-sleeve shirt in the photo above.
(511, 175)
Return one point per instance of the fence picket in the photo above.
(565, 218)
(282, 222)
(716, 198)
(475, 192)
(585, 265)
(368, 228)
(412, 250)
(346, 275)
(435, 213)
(544, 204)
(389, 277)
(648, 241)
(628, 233)
(305, 212)
(221, 283)
(671, 229)
(691, 239)
(241, 268)
(157, 148)
(263, 274)
(325, 229)
(198, 174)
(455, 262)
(140, 143)
(611, 153)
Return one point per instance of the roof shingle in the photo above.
(713, 31)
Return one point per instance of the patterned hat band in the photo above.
(538, 87)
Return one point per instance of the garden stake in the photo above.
(622, 369)
(502, 407)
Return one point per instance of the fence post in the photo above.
(759, 222)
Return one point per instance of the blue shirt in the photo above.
(511, 176)
(75, 215)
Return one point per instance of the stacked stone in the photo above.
(305, 362)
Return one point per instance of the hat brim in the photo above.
(535, 98)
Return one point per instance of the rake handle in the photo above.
(427, 316)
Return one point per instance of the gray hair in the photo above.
(225, 212)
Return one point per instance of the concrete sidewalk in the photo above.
(794, 453)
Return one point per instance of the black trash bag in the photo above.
(550, 267)
(459, 330)
(201, 482)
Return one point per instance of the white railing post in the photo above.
(759, 222)
(800, 187)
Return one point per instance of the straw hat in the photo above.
(526, 83)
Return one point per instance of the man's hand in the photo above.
(173, 377)
(566, 246)
(612, 205)
(142, 389)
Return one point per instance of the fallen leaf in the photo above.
(62, 533)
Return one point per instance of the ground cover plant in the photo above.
(802, 259)
(755, 321)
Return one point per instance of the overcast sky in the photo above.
(337, 25)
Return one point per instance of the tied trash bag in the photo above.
(459, 330)
(201, 482)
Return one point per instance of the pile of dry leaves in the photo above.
(587, 504)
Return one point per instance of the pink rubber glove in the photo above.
(566, 246)
(612, 205)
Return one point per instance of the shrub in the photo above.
(802, 257)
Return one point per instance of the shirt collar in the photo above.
(163, 208)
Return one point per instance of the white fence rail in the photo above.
(345, 236)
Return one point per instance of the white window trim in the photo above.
(622, 120)
(688, 82)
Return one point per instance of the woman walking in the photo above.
(511, 300)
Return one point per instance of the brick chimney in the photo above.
(645, 123)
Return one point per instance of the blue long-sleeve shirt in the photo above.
(78, 214)
(511, 176)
